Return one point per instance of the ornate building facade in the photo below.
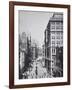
(53, 43)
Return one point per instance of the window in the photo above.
(52, 23)
(58, 42)
(58, 33)
(61, 33)
(53, 32)
(53, 37)
(53, 42)
(61, 27)
(53, 50)
(57, 27)
(58, 37)
(52, 27)
(61, 37)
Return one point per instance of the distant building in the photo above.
(53, 39)
(34, 50)
(43, 54)
(43, 51)
(40, 52)
(33, 53)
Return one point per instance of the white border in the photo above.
(45, 80)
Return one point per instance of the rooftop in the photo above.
(57, 17)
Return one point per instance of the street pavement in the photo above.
(37, 70)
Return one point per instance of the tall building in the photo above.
(23, 48)
(24, 52)
(53, 40)
(34, 49)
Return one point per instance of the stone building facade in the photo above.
(53, 41)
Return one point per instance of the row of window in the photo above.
(58, 42)
(57, 23)
(57, 37)
(58, 33)
(57, 27)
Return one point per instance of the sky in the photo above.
(34, 23)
